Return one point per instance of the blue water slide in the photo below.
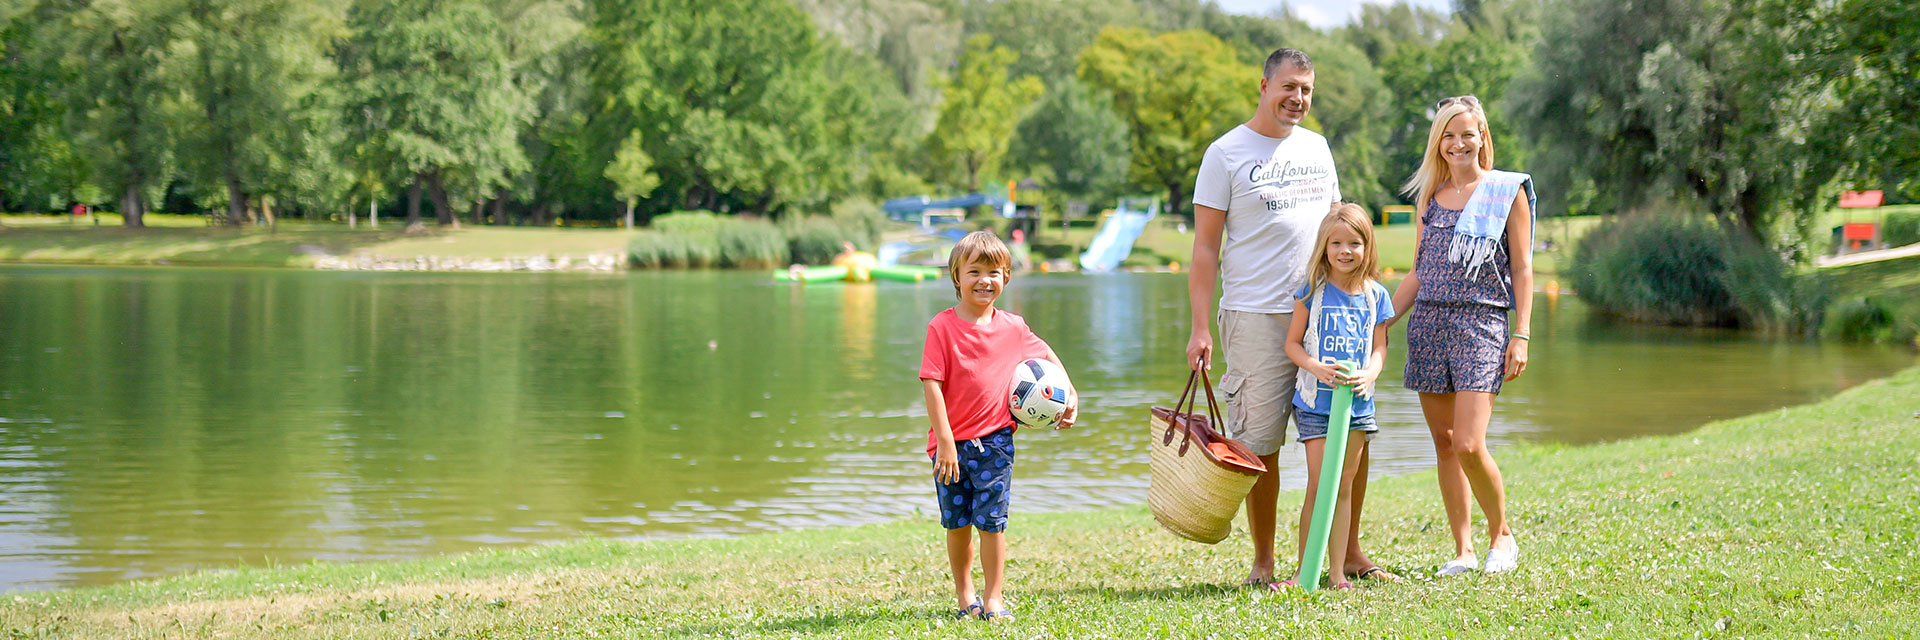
(1114, 240)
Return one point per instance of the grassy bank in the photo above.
(186, 240)
(1164, 241)
(1795, 522)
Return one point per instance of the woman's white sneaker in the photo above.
(1456, 567)
(1501, 560)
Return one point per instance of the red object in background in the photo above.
(1861, 199)
(1859, 235)
(79, 210)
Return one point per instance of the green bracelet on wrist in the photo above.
(1523, 336)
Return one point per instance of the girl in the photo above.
(1473, 261)
(1341, 314)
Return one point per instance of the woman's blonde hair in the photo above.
(979, 246)
(1433, 170)
(1354, 218)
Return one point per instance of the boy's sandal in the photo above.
(972, 610)
(1376, 573)
(994, 616)
(1256, 583)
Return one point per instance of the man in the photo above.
(1265, 186)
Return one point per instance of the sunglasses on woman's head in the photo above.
(1468, 100)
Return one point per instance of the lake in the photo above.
(158, 421)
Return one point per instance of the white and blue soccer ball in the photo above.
(1038, 393)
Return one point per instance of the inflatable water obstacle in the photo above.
(857, 267)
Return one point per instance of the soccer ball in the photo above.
(1038, 393)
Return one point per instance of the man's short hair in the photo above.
(1284, 56)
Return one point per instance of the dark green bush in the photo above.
(1901, 228)
(1861, 319)
(1672, 269)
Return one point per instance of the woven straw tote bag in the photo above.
(1199, 477)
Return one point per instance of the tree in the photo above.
(1047, 35)
(1381, 30)
(110, 59)
(981, 109)
(38, 167)
(1871, 56)
(435, 89)
(265, 118)
(1682, 97)
(728, 97)
(632, 173)
(1177, 91)
(543, 42)
(1074, 140)
(912, 39)
(1464, 62)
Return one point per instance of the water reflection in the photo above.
(158, 421)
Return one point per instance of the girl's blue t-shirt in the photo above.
(1346, 333)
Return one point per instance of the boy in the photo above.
(972, 349)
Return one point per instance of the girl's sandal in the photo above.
(1376, 573)
(1342, 586)
(1283, 585)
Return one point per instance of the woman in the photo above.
(1472, 264)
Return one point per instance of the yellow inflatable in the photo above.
(859, 264)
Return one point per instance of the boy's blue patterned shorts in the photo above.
(981, 496)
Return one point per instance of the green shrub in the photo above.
(816, 239)
(689, 222)
(1901, 228)
(1860, 319)
(861, 221)
(751, 244)
(656, 250)
(1672, 269)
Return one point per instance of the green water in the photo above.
(156, 421)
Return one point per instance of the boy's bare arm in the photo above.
(946, 461)
(1073, 394)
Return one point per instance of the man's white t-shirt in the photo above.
(1275, 192)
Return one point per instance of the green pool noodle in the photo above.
(812, 274)
(1332, 458)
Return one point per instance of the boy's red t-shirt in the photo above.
(974, 363)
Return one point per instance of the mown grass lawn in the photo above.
(1800, 522)
(186, 240)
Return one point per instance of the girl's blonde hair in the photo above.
(1433, 170)
(979, 246)
(1354, 218)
